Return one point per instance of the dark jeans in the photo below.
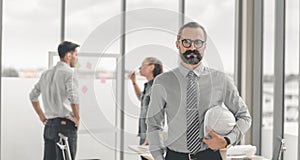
(52, 128)
(203, 155)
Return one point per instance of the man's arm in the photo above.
(237, 106)
(38, 110)
(34, 98)
(73, 97)
(155, 117)
(243, 119)
(76, 118)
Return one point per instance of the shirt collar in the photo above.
(62, 63)
(149, 83)
(184, 71)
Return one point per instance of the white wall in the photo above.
(22, 132)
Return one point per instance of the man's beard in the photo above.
(194, 58)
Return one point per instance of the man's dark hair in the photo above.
(191, 25)
(65, 47)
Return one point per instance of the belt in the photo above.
(190, 156)
(61, 121)
(201, 155)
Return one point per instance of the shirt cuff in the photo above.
(231, 137)
(33, 98)
(227, 141)
(74, 100)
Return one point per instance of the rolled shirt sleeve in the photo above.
(72, 89)
(238, 107)
(35, 92)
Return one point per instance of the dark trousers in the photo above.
(52, 128)
(142, 140)
(203, 155)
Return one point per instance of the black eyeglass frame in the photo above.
(189, 42)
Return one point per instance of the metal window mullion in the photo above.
(62, 18)
(50, 59)
(279, 71)
(181, 12)
(299, 96)
(238, 44)
(257, 81)
(121, 79)
(1, 26)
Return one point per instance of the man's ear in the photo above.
(177, 45)
(204, 46)
(68, 56)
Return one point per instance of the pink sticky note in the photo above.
(88, 65)
(103, 80)
(84, 89)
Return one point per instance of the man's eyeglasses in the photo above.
(187, 43)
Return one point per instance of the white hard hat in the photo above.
(219, 119)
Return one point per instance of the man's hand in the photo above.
(146, 142)
(40, 113)
(43, 119)
(216, 141)
(75, 120)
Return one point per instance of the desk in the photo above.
(142, 151)
(224, 157)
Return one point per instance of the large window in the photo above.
(30, 30)
(96, 26)
(148, 34)
(268, 78)
(291, 117)
(218, 19)
(84, 17)
(291, 82)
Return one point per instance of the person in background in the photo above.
(58, 87)
(150, 68)
(184, 95)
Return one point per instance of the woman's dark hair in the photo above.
(65, 47)
(158, 69)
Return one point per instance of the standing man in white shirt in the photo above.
(58, 87)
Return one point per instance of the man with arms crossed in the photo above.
(58, 87)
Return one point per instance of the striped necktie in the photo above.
(192, 115)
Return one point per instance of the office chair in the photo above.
(63, 144)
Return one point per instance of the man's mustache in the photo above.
(188, 52)
(194, 59)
